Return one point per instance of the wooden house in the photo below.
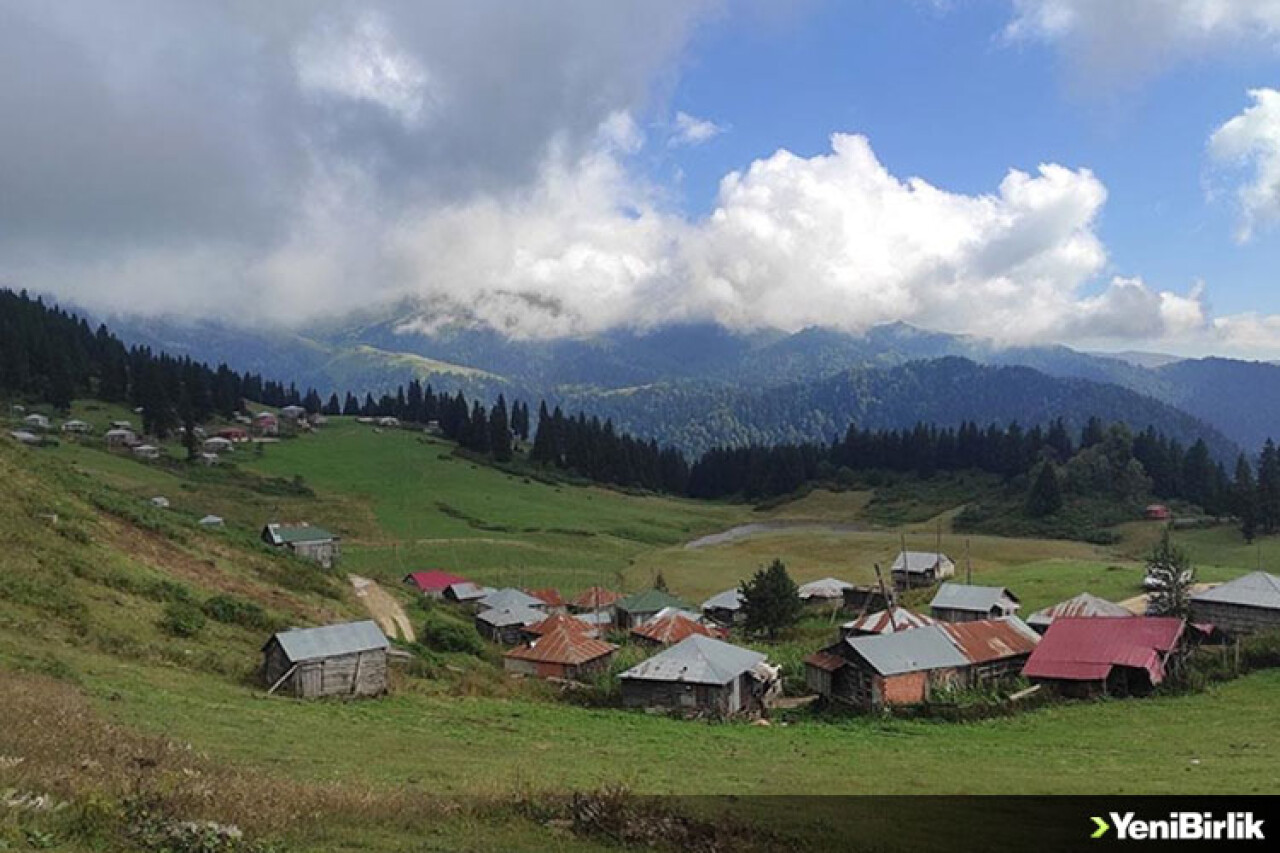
(560, 653)
(304, 540)
(217, 444)
(557, 622)
(293, 413)
(701, 675)
(509, 597)
(725, 608)
(1245, 605)
(432, 583)
(552, 601)
(1082, 606)
(667, 629)
(958, 602)
(595, 599)
(466, 592)
(827, 593)
(913, 569)
(506, 624)
(634, 610)
(1157, 512)
(1094, 656)
(120, 437)
(335, 660)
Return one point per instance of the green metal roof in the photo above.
(651, 600)
(289, 534)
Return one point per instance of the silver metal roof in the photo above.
(824, 588)
(1082, 605)
(501, 617)
(908, 651)
(730, 599)
(919, 562)
(348, 638)
(1257, 589)
(468, 591)
(511, 597)
(979, 599)
(696, 660)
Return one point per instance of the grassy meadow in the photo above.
(90, 574)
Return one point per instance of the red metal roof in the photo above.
(432, 581)
(562, 646)
(991, 639)
(825, 661)
(888, 621)
(1087, 649)
(672, 629)
(560, 621)
(550, 596)
(596, 596)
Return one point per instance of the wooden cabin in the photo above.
(913, 569)
(959, 602)
(1245, 605)
(349, 659)
(701, 675)
(304, 540)
(561, 652)
(639, 608)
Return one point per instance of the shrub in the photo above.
(1260, 650)
(444, 633)
(182, 619)
(170, 591)
(234, 611)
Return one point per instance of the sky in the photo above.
(1101, 173)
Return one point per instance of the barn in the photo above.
(304, 540)
(335, 660)
(1088, 657)
(959, 602)
(701, 675)
(911, 569)
(1244, 606)
(1082, 606)
(560, 653)
(640, 608)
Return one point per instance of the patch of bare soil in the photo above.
(384, 609)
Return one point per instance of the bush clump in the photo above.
(444, 633)
(230, 610)
(182, 619)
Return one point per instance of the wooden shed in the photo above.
(304, 540)
(701, 675)
(959, 602)
(349, 659)
(1246, 605)
(506, 624)
(912, 569)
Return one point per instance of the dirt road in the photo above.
(384, 609)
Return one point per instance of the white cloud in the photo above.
(1117, 40)
(1251, 140)
(691, 130)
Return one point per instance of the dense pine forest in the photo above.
(51, 355)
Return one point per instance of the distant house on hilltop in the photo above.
(120, 437)
(146, 451)
(265, 423)
(921, 568)
(959, 602)
(304, 540)
(335, 660)
(75, 426)
(293, 413)
(36, 421)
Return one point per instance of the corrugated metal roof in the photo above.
(595, 620)
(824, 588)
(990, 640)
(549, 596)
(1087, 649)
(908, 651)
(1083, 605)
(825, 661)
(648, 601)
(511, 597)
(282, 534)
(304, 644)
(1257, 589)
(696, 660)
(730, 599)
(468, 591)
(433, 580)
(503, 617)
(563, 647)
(560, 621)
(887, 621)
(919, 562)
(977, 599)
(671, 629)
(595, 597)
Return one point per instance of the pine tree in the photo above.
(499, 431)
(1045, 497)
(1245, 499)
(1170, 577)
(771, 601)
(1269, 488)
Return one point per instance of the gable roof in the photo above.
(1086, 649)
(1083, 605)
(503, 617)
(1257, 589)
(511, 597)
(348, 638)
(824, 588)
(286, 534)
(671, 628)
(649, 600)
(549, 596)
(990, 640)
(468, 591)
(888, 621)
(908, 651)
(561, 622)
(433, 580)
(696, 660)
(977, 599)
(918, 562)
(594, 597)
(730, 599)
(562, 646)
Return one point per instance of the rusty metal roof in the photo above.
(696, 660)
(594, 597)
(1086, 649)
(887, 621)
(825, 661)
(1257, 589)
(563, 646)
(560, 621)
(1083, 605)
(671, 629)
(990, 640)
(549, 596)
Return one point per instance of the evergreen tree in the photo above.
(770, 601)
(1045, 497)
(1269, 488)
(1170, 577)
(499, 431)
(1245, 499)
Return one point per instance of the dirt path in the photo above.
(384, 609)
